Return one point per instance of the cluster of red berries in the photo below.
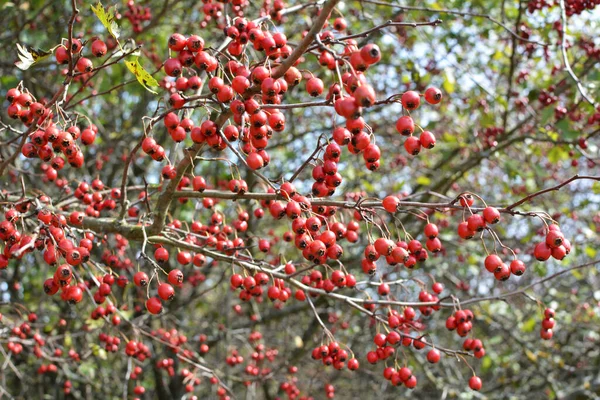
(572, 7)
(401, 376)
(167, 364)
(548, 323)
(93, 196)
(111, 343)
(408, 254)
(461, 321)
(333, 354)
(190, 380)
(23, 106)
(165, 291)
(555, 245)
(479, 222)
(252, 286)
(406, 126)
(48, 141)
(474, 345)
(546, 97)
(137, 350)
(326, 175)
(490, 135)
(137, 14)
(47, 369)
(329, 391)
(234, 358)
(101, 312)
(339, 279)
(494, 264)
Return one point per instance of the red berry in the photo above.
(153, 305)
(475, 383)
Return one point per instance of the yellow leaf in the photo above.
(298, 342)
(29, 56)
(532, 357)
(143, 77)
(107, 17)
(423, 181)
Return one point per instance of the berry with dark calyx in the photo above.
(410, 100)
(491, 215)
(433, 95)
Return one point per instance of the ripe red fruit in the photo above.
(390, 203)
(411, 383)
(431, 231)
(383, 289)
(546, 334)
(492, 262)
(464, 231)
(74, 294)
(466, 200)
(475, 383)
(99, 48)
(542, 252)
(517, 267)
(153, 305)
(353, 364)
(412, 145)
(554, 239)
(255, 161)
(175, 277)
(433, 95)
(161, 255)
(84, 65)
(166, 291)
(491, 215)
(404, 374)
(370, 54)
(314, 86)
(140, 279)
(173, 67)
(433, 356)
(410, 100)
(427, 140)
(548, 323)
(476, 223)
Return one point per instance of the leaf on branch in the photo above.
(29, 56)
(107, 17)
(143, 77)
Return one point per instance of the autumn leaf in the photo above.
(29, 56)
(107, 17)
(143, 77)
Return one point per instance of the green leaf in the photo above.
(449, 81)
(107, 17)
(546, 115)
(143, 77)
(529, 325)
(557, 153)
(423, 181)
(590, 252)
(486, 363)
